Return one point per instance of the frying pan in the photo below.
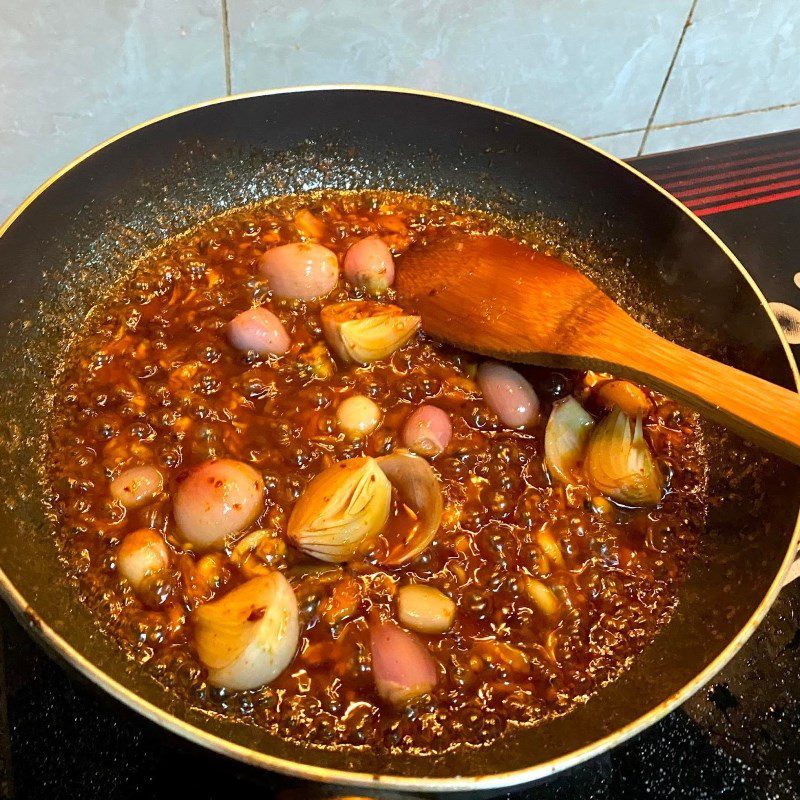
(65, 245)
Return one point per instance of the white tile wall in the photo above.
(737, 55)
(572, 63)
(683, 72)
(73, 74)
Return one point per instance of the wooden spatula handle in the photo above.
(760, 411)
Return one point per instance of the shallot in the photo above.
(565, 438)
(216, 499)
(249, 636)
(620, 464)
(427, 431)
(508, 394)
(259, 330)
(300, 271)
(363, 331)
(342, 511)
(402, 667)
(419, 491)
(369, 264)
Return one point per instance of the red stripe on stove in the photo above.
(733, 163)
(748, 171)
(750, 201)
(744, 192)
(755, 180)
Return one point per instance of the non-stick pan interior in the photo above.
(88, 226)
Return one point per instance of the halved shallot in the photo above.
(249, 636)
(418, 489)
(565, 438)
(364, 331)
(620, 464)
(342, 511)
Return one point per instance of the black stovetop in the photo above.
(737, 738)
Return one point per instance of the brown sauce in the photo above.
(155, 381)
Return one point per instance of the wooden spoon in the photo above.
(505, 300)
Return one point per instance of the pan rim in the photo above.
(398, 782)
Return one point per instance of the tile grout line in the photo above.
(668, 75)
(729, 115)
(226, 43)
(613, 133)
(667, 125)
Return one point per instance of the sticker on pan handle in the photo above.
(794, 572)
(789, 319)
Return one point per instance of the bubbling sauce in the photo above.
(154, 381)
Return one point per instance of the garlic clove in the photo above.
(542, 596)
(137, 486)
(202, 577)
(565, 438)
(342, 511)
(626, 396)
(141, 555)
(425, 609)
(550, 547)
(357, 416)
(216, 499)
(364, 331)
(310, 226)
(418, 489)
(249, 636)
(494, 652)
(402, 667)
(259, 553)
(620, 464)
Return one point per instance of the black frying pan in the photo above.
(66, 244)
